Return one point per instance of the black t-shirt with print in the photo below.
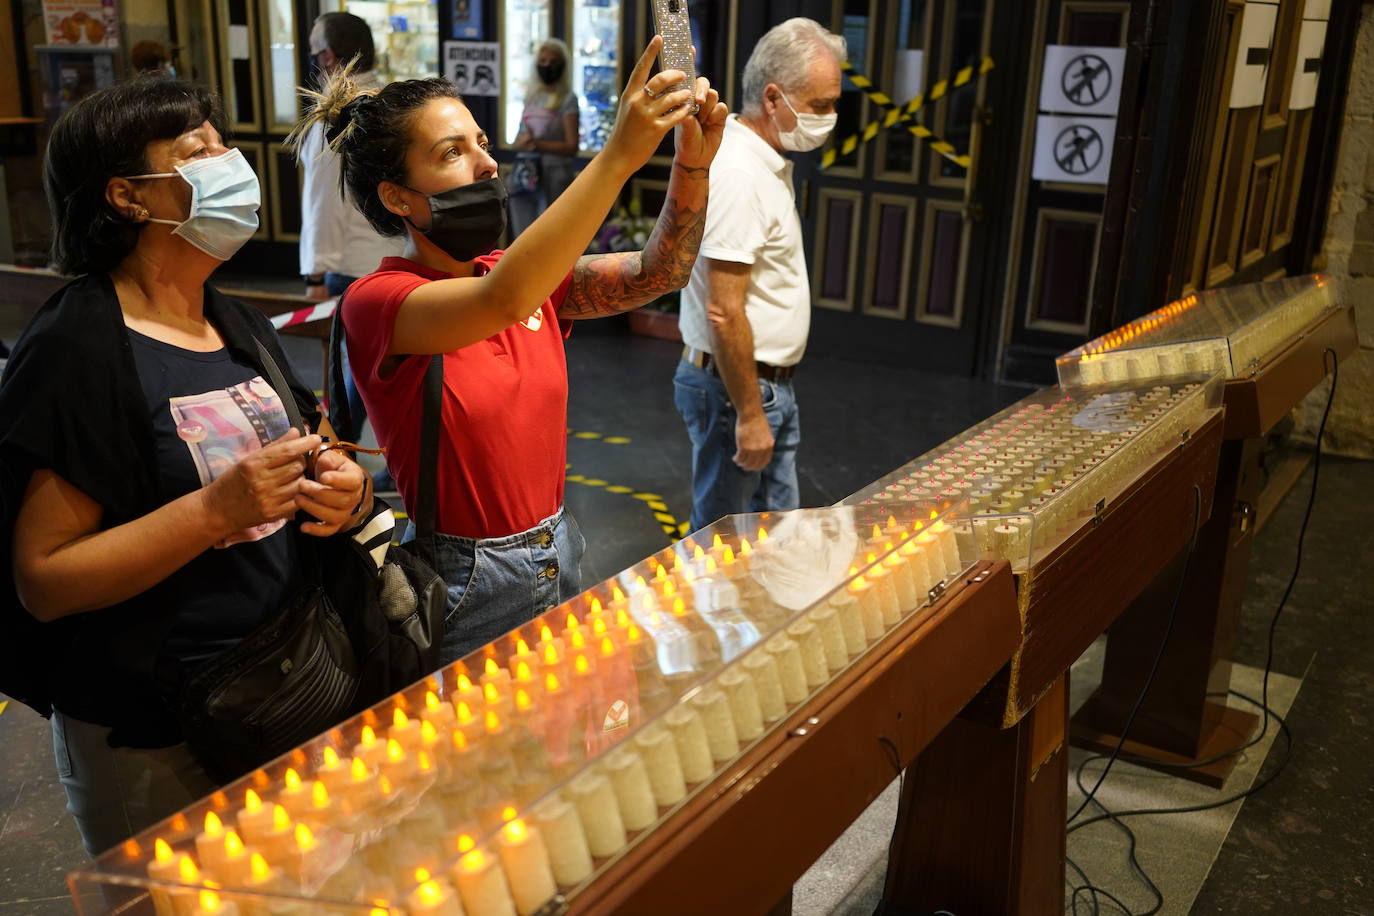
(209, 410)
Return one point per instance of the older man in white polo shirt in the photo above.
(747, 310)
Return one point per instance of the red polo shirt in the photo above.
(503, 446)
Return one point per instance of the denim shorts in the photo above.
(498, 584)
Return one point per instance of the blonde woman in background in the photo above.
(548, 137)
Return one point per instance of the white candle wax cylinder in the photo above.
(851, 623)
(719, 721)
(744, 703)
(526, 860)
(832, 637)
(887, 610)
(768, 684)
(787, 655)
(164, 867)
(633, 791)
(599, 811)
(693, 748)
(659, 751)
(569, 854)
(482, 885)
(812, 652)
(948, 544)
(904, 589)
(435, 897)
(254, 819)
(210, 846)
(935, 557)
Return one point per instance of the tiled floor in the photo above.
(1301, 845)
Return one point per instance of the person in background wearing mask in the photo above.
(338, 245)
(149, 477)
(548, 137)
(419, 167)
(747, 310)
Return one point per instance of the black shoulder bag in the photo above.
(367, 623)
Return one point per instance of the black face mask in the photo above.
(549, 73)
(468, 220)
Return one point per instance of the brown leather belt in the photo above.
(703, 360)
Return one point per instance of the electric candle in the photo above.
(808, 640)
(404, 730)
(232, 864)
(263, 878)
(294, 796)
(497, 699)
(276, 842)
(371, 749)
(302, 854)
(760, 666)
(466, 692)
(481, 884)
(569, 856)
(526, 860)
(434, 897)
(885, 586)
(832, 636)
(254, 818)
(398, 765)
(494, 676)
(163, 868)
(468, 724)
(633, 791)
(436, 712)
(693, 747)
(210, 844)
(598, 810)
(361, 791)
(182, 902)
(719, 721)
(846, 610)
(935, 557)
(658, 749)
(332, 772)
(787, 656)
(744, 703)
(211, 904)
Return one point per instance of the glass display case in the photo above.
(524, 26)
(282, 77)
(1233, 331)
(406, 35)
(1037, 471)
(596, 77)
(514, 777)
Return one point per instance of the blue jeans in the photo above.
(498, 584)
(719, 486)
(335, 284)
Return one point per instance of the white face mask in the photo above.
(811, 131)
(225, 197)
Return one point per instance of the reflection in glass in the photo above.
(526, 24)
(966, 50)
(908, 79)
(406, 35)
(850, 107)
(281, 30)
(595, 74)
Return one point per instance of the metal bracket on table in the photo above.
(1098, 510)
(936, 591)
(801, 731)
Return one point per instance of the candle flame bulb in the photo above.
(716, 542)
(710, 564)
(522, 700)
(460, 742)
(493, 695)
(763, 534)
(304, 838)
(368, 737)
(860, 582)
(464, 713)
(640, 584)
(213, 825)
(473, 860)
(669, 590)
(258, 867)
(551, 683)
(632, 634)
(877, 532)
(358, 770)
(280, 819)
(522, 672)
(728, 555)
(421, 875)
(491, 667)
(465, 842)
(161, 851)
(522, 647)
(319, 795)
(209, 901)
(599, 627)
(464, 683)
(186, 868)
(251, 801)
(934, 514)
(596, 607)
(293, 779)
(545, 634)
(233, 844)
(384, 785)
(431, 700)
(745, 549)
(581, 664)
(394, 751)
(508, 814)
(331, 757)
(493, 722)
(853, 570)
(429, 892)
(872, 559)
(515, 830)
(578, 640)
(679, 608)
(617, 594)
(891, 522)
(622, 619)
(698, 553)
(550, 655)
(607, 647)
(661, 574)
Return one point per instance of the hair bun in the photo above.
(345, 117)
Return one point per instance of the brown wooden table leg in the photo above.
(1184, 716)
(980, 827)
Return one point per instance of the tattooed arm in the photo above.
(604, 284)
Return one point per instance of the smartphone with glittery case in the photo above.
(670, 19)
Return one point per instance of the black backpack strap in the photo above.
(340, 413)
(430, 421)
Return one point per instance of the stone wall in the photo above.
(1349, 254)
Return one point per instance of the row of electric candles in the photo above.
(276, 840)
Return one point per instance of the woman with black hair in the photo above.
(417, 165)
(148, 473)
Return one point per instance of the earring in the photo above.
(405, 207)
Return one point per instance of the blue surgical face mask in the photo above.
(225, 197)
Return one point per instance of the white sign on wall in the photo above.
(1080, 79)
(1077, 150)
(473, 67)
(908, 74)
(1253, 56)
(1307, 66)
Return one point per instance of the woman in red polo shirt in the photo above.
(506, 547)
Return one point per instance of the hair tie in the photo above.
(347, 114)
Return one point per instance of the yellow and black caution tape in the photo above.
(902, 114)
(609, 440)
(662, 514)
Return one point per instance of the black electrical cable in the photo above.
(1159, 656)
